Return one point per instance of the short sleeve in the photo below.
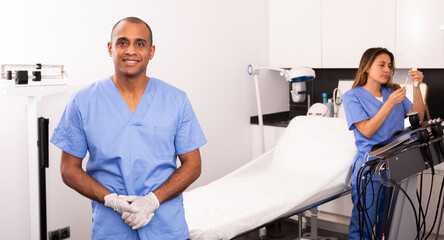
(69, 135)
(407, 104)
(354, 111)
(189, 134)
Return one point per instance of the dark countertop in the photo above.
(280, 119)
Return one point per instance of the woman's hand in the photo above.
(418, 103)
(396, 96)
(416, 76)
(370, 126)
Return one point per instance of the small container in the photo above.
(330, 107)
(324, 98)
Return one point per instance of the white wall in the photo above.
(202, 47)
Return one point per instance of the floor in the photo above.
(288, 230)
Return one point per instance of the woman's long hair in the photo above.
(367, 60)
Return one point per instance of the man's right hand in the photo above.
(119, 205)
(143, 210)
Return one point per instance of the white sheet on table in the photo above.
(312, 154)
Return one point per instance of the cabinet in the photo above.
(295, 33)
(419, 39)
(328, 34)
(350, 27)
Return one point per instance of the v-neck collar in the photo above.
(371, 96)
(122, 108)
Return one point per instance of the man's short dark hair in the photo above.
(134, 20)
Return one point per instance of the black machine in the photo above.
(407, 153)
(399, 155)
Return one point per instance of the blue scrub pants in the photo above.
(370, 199)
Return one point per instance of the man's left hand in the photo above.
(142, 210)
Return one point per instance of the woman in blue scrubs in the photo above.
(375, 108)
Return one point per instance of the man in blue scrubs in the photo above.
(133, 127)
(375, 108)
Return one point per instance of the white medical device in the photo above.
(287, 180)
(34, 81)
(297, 76)
(343, 86)
(318, 110)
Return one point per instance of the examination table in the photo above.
(311, 162)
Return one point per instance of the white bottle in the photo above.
(330, 108)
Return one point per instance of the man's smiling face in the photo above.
(131, 49)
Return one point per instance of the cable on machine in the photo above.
(437, 210)
(392, 162)
(365, 223)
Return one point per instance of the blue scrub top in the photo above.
(131, 153)
(359, 104)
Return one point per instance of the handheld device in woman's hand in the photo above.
(415, 83)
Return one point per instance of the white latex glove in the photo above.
(119, 205)
(142, 211)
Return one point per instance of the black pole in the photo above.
(43, 164)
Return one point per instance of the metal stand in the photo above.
(34, 95)
(440, 219)
(300, 225)
(34, 108)
(403, 224)
(43, 142)
(314, 223)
